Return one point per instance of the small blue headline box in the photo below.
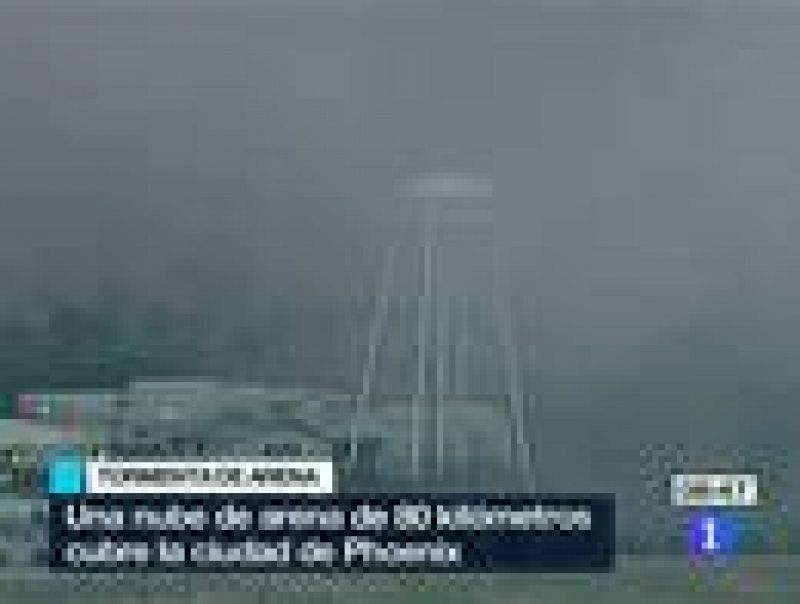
(65, 475)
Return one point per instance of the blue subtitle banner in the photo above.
(364, 533)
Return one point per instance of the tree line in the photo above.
(54, 343)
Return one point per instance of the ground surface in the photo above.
(768, 580)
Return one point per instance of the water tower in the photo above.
(441, 379)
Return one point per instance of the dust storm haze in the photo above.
(642, 157)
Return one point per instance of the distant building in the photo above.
(208, 417)
(23, 446)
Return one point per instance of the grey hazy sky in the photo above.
(643, 154)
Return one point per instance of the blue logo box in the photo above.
(65, 475)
